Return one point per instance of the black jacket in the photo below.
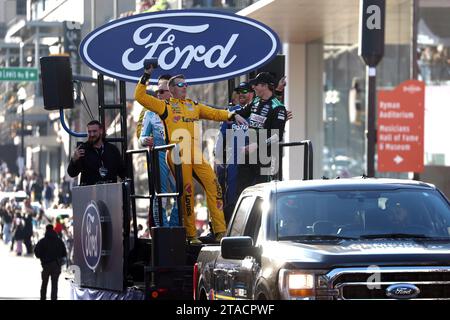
(90, 164)
(50, 248)
(267, 115)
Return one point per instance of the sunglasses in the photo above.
(243, 91)
(161, 91)
(182, 85)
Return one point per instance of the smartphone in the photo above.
(80, 144)
(151, 62)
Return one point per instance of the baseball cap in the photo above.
(263, 77)
(243, 86)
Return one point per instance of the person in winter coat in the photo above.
(50, 250)
(19, 233)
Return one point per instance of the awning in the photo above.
(336, 22)
(25, 29)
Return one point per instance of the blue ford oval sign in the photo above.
(402, 291)
(91, 236)
(205, 46)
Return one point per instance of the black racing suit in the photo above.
(269, 115)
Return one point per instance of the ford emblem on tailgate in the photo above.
(402, 291)
(205, 46)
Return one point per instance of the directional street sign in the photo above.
(18, 74)
(401, 128)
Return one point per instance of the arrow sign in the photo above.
(398, 159)
(18, 74)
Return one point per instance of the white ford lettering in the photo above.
(91, 237)
(170, 56)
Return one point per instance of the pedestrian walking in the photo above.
(50, 250)
(19, 233)
(28, 233)
(48, 195)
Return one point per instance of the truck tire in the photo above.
(202, 295)
(261, 292)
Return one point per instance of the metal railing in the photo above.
(307, 158)
(178, 179)
(154, 181)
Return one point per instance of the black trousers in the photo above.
(28, 244)
(50, 270)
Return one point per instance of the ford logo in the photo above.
(402, 291)
(91, 236)
(205, 46)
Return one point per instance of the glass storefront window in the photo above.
(344, 93)
(433, 45)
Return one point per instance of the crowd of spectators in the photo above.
(434, 64)
(27, 205)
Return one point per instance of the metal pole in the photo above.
(22, 145)
(414, 65)
(21, 45)
(415, 25)
(370, 120)
(92, 15)
(36, 48)
(116, 9)
(123, 116)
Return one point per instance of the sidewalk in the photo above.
(20, 277)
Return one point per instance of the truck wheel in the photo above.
(203, 295)
(261, 296)
(261, 293)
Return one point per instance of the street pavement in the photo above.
(20, 277)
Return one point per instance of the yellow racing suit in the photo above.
(180, 118)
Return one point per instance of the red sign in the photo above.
(401, 128)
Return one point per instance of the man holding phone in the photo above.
(97, 161)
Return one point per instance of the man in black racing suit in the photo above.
(266, 118)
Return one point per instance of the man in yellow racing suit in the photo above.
(180, 117)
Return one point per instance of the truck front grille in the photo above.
(367, 284)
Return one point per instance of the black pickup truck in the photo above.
(332, 239)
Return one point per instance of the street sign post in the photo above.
(401, 128)
(18, 74)
(371, 49)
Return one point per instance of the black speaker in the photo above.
(169, 246)
(57, 87)
(276, 67)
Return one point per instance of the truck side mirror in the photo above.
(237, 248)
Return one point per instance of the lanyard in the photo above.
(100, 154)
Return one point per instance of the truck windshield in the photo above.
(423, 214)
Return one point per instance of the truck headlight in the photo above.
(299, 281)
(296, 284)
